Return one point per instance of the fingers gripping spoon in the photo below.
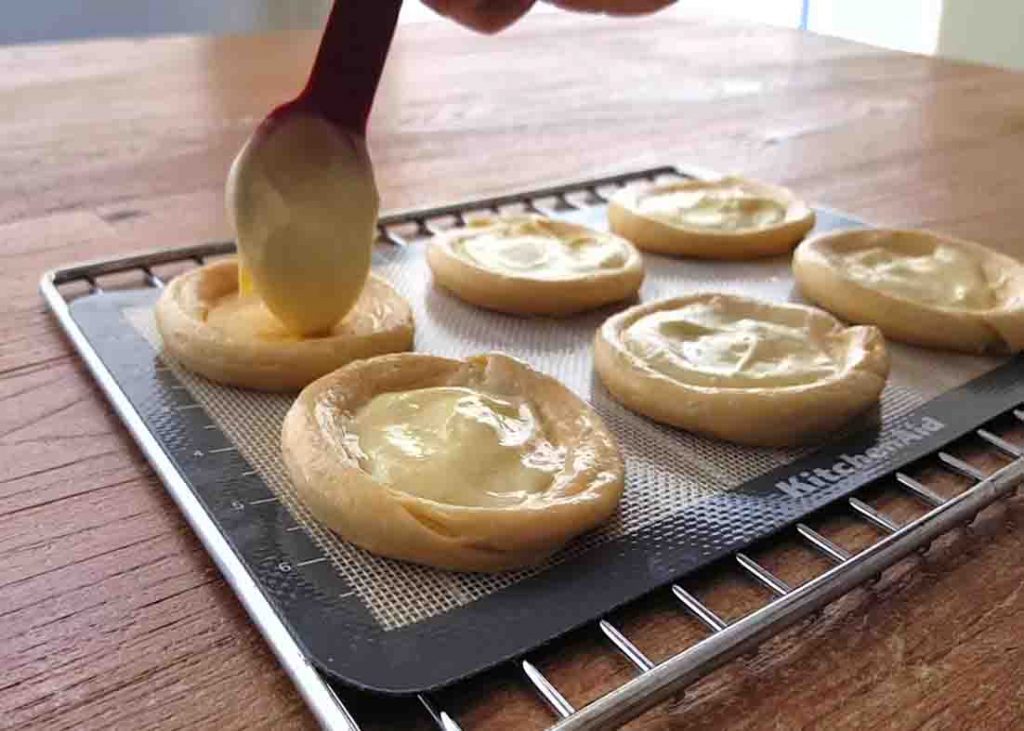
(301, 193)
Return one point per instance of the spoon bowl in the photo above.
(301, 193)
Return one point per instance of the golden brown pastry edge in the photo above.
(998, 330)
(462, 538)
(532, 296)
(771, 417)
(660, 237)
(265, 365)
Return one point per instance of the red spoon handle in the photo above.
(350, 61)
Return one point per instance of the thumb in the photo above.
(485, 16)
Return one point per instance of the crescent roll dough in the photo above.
(532, 265)
(233, 339)
(729, 218)
(741, 369)
(918, 287)
(476, 465)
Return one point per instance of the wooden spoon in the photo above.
(301, 193)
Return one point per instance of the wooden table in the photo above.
(111, 615)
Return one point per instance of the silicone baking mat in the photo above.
(395, 627)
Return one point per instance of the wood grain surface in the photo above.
(111, 615)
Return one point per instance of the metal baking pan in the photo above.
(389, 627)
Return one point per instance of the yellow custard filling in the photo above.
(946, 276)
(716, 206)
(455, 445)
(712, 344)
(529, 247)
(303, 202)
(247, 317)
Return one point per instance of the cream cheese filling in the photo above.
(947, 276)
(454, 445)
(247, 317)
(716, 206)
(528, 247)
(711, 344)
(303, 202)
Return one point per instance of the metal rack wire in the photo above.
(653, 683)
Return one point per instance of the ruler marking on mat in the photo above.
(311, 561)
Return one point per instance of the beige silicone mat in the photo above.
(666, 469)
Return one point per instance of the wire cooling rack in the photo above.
(653, 682)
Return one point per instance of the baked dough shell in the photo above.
(400, 525)
(773, 417)
(661, 237)
(525, 295)
(380, 322)
(996, 330)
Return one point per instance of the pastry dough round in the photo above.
(741, 369)
(449, 506)
(729, 218)
(209, 329)
(532, 265)
(917, 287)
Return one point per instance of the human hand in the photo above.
(491, 16)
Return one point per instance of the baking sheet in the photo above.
(396, 627)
